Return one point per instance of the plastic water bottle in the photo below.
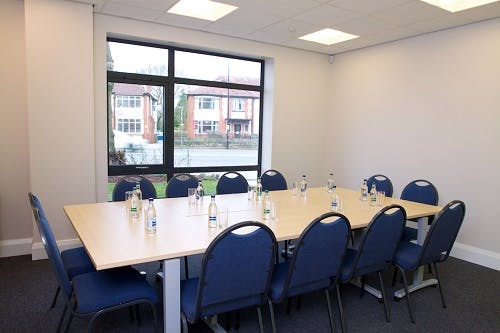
(139, 197)
(151, 218)
(200, 192)
(258, 190)
(134, 202)
(330, 183)
(335, 203)
(267, 206)
(373, 195)
(303, 186)
(212, 212)
(364, 190)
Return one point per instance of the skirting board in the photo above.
(38, 252)
(15, 247)
(476, 255)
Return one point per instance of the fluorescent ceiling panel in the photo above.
(328, 36)
(458, 5)
(202, 9)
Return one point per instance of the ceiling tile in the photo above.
(409, 13)
(182, 21)
(325, 15)
(367, 6)
(284, 30)
(137, 13)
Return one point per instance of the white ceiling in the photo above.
(281, 22)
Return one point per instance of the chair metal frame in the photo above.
(273, 180)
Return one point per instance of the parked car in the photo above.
(159, 136)
(126, 141)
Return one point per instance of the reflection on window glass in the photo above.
(130, 58)
(214, 68)
(135, 120)
(215, 126)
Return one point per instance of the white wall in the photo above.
(60, 106)
(15, 214)
(295, 94)
(425, 107)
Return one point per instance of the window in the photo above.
(238, 104)
(205, 103)
(170, 110)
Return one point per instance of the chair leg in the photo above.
(137, 314)
(330, 313)
(408, 299)
(184, 323)
(441, 291)
(237, 320)
(394, 277)
(341, 311)
(430, 268)
(55, 297)
(186, 270)
(271, 312)
(70, 319)
(299, 302)
(261, 324)
(289, 305)
(155, 319)
(62, 319)
(386, 304)
(362, 290)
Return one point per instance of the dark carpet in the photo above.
(472, 293)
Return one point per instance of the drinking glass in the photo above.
(381, 198)
(250, 193)
(223, 217)
(128, 201)
(295, 188)
(192, 196)
(274, 211)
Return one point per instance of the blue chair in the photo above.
(75, 261)
(95, 293)
(422, 191)
(382, 183)
(178, 185)
(235, 273)
(435, 249)
(273, 180)
(315, 263)
(232, 182)
(128, 184)
(376, 248)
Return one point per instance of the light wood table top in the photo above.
(112, 240)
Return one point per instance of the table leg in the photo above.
(418, 276)
(172, 296)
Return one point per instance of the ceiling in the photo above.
(281, 22)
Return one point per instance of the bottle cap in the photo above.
(212, 196)
(151, 199)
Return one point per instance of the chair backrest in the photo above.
(442, 233)
(128, 184)
(36, 204)
(50, 245)
(379, 241)
(318, 254)
(382, 183)
(273, 180)
(178, 185)
(236, 269)
(422, 191)
(232, 182)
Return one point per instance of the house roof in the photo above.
(214, 91)
(126, 89)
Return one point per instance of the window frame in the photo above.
(168, 83)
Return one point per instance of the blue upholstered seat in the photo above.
(76, 261)
(97, 292)
(232, 182)
(273, 180)
(178, 185)
(128, 184)
(435, 249)
(382, 183)
(376, 249)
(315, 263)
(236, 272)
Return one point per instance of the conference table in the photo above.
(112, 239)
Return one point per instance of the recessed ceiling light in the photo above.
(328, 36)
(458, 5)
(202, 9)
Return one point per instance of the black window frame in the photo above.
(168, 83)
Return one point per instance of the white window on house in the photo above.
(204, 126)
(205, 103)
(128, 125)
(238, 104)
(128, 101)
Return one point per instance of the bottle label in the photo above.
(152, 223)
